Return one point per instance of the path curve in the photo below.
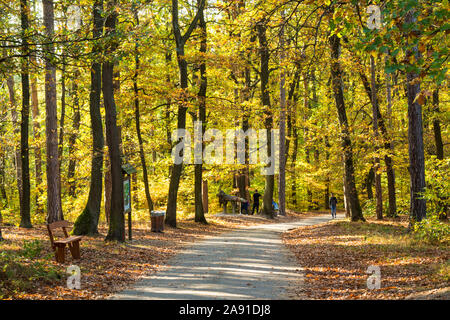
(249, 263)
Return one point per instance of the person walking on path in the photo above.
(333, 202)
(256, 197)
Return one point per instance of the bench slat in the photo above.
(69, 239)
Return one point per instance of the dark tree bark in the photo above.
(3, 182)
(415, 137)
(327, 179)
(198, 171)
(63, 112)
(25, 218)
(261, 27)
(437, 127)
(168, 59)
(306, 106)
(116, 229)
(375, 111)
(180, 41)
(14, 117)
(87, 222)
(282, 161)
(349, 180)
(35, 113)
(73, 135)
(369, 182)
(1, 222)
(54, 207)
(293, 98)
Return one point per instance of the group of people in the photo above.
(257, 195)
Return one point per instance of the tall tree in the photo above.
(349, 175)
(198, 171)
(74, 133)
(415, 131)
(180, 42)
(261, 28)
(35, 113)
(14, 117)
(25, 218)
(54, 207)
(282, 174)
(87, 222)
(378, 190)
(437, 127)
(117, 221)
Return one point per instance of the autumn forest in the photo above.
(92, 91)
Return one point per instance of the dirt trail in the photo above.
(249, 263)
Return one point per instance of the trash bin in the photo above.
(157, 221)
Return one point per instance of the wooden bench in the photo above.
(73, 242)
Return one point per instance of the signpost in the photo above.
(127, 169)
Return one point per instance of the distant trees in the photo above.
(359, 134)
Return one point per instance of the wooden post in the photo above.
(127, 202)
(129, 226)
(205, 196)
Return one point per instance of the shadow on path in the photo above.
(249, 263)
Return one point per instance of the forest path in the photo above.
(249, 263)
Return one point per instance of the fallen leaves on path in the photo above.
(106, 267)
(335, 257)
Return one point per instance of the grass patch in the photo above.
(20, 270)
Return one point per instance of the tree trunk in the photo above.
(3, 182)
(327, 179)
(63, 113)
(54, 207)
(14, 117)
(415, 137)
(437, 127)
(374, 100)
(293, 98)
(282, 174)
(199, 210)
(116, 222)
(180, 41)
(369, 182)
(350, 185)
(37, 136)
(73, 135)
(87, 222)
(267, 209)
(25, 218)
